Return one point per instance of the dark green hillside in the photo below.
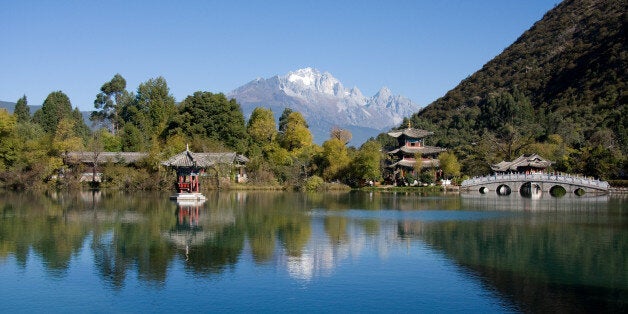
(560, 89)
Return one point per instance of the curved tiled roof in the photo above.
(425, 150)
(183, 159)
(410, 164)
(523, 161)
(410, 132)
(190, 159)
(104, 157)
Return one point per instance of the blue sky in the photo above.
(419, 49)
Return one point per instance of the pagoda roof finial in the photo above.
(409, 124)
(187, 147)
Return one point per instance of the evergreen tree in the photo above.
(151, 109)
(132, 139)
(22, 111)
(283, 120)
(56, 107)
(80, 128)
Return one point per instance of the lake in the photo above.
(324, 252)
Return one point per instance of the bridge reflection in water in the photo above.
(535, 184)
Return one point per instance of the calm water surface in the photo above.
(336, 252)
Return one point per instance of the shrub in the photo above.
(314, 183)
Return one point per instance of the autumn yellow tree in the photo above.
(261, 126)
(297, 134)
(335, 158)
(449, 164)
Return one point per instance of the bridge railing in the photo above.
(545, 177)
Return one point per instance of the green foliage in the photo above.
(110, 102)
(22, 111)
(127, 178)
(295, 135)
(212, 116)
(314, 183)
(335, 159)
(8, 139)
(7, 123)
(261, 172)
(65, 138)
(132, 139)
(427, 176)
(27, 155)
(366, 165)
(418, 165)
(156, 103)
(81, 130)
(283, 119)
(261, 126)
(564, 76)
(109, 142)
(449, 164)
(148, 113)
(56, 107)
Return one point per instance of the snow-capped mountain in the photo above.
(325, 102)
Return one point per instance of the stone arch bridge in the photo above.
(534, 183)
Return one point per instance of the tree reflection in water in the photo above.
(535, 252)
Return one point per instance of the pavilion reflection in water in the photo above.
(195, 224)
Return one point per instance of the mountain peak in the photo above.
(384, 92)
(324, 102)
(311, 79)
(307, 76)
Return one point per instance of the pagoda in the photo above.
(410, 145)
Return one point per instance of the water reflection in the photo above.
(477, 201)
(535, 252)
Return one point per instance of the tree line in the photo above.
(150, 120)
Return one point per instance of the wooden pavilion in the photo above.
(190, 166)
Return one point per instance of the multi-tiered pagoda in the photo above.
(411, 150)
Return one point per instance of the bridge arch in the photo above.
(483, 190)
(531, 189)
(557, 191)
(503, 190)
(579, 191)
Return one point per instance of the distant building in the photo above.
(530, 163)
(410, 145)
(94, 161)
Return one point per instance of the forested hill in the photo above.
(562, 83)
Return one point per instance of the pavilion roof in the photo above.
(203, 160)
(523, 161)
(410, 163)
(104, 157)
(424, 150)
(410, 132)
